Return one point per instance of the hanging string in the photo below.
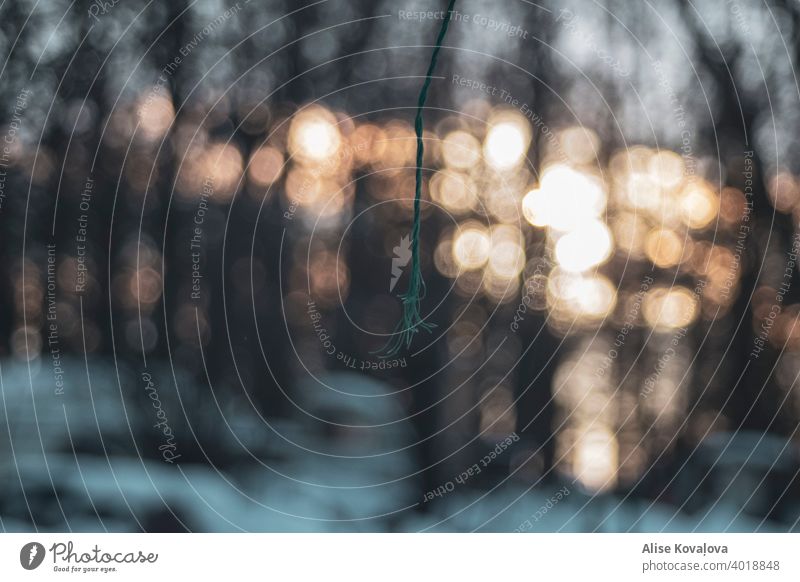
(412, 320)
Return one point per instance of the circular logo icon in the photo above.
(31, 555)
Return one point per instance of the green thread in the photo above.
(412, 321)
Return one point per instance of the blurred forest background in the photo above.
(203, 207)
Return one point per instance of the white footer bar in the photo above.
(390, 557)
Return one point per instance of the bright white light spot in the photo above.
(471, 248)
(461, 150)
(505, 146)
(585, 247)
(570, 198)
(507, 259)
(319, 140)
(535, 208)
(314, 136)
(595, 463)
